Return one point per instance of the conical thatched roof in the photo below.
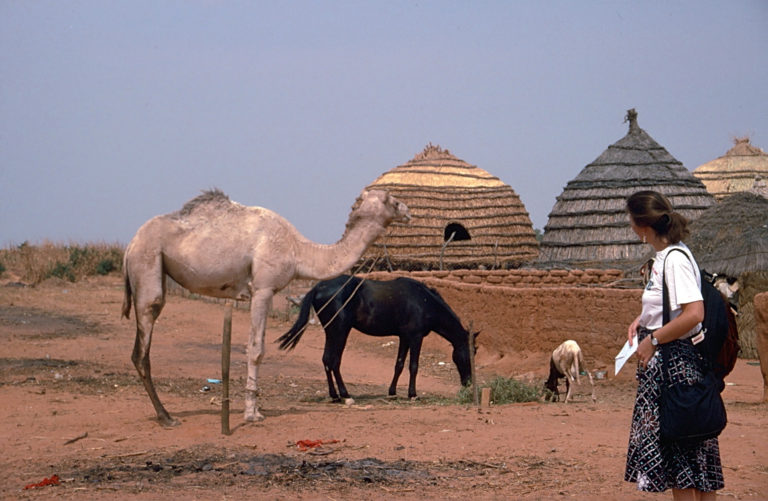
(743, 168)
(731, 237)
(461, 216)
(589, 226)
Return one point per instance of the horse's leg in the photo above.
(261, 300)
(148, 303)
(335, 341)
(402, 349)
(413, 366)
(330, 366)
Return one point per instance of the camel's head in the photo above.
(381, 206)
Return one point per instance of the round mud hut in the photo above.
(461, 217)
(743, 168)
(589, 227)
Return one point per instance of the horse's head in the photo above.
(461, 357)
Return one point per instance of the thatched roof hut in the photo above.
(743, 168)
(731, 237)
(461, 217)
(589, 227)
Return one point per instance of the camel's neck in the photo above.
(321, 262)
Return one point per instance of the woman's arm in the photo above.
(691, 314)
(632, 330)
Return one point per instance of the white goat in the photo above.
(566, 362)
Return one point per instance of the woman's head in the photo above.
(651, 209)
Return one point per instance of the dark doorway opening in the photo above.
(458, 231)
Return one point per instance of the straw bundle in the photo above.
(588, 224)
(461, 217)
(743, 168)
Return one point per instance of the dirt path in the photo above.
(73, 407)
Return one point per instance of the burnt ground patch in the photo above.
(34, 324)
(204, 468)
(209, 467)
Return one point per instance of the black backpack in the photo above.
(720, 346)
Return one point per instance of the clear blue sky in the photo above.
(112, 112)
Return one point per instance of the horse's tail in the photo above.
(127, 294)
(290, 339)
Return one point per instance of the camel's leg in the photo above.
(413, 367)
(402, 349)
(261, 301)
(568, 388)
(148, 304)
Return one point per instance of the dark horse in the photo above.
(401, 307)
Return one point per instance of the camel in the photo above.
(216, 247)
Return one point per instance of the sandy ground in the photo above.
(73, 406)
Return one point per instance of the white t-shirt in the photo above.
(683, 287)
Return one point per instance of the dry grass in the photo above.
(32, 264)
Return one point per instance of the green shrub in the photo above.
(105, 266)
(504, 391)
(63, 271)
(2, 268)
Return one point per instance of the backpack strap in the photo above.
(664, 293)
(665, 308)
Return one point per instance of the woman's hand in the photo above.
(645, 351)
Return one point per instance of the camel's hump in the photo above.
(208, 198)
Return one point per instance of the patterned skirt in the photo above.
(657, 466)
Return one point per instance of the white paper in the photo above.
(624, 354)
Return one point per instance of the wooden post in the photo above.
(226, 348)
(472, 363)
(485, 400)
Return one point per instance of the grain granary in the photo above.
(588, 225)
(461, 217)
(743, 168)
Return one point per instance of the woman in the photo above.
(693, 472)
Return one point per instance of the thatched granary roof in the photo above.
(743, 168)
(589, 227)
(731, 237)
(461, 216)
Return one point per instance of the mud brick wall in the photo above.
(535, 310)
(518, 278)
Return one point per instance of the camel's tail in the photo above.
(290, 339)
(127, 295)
